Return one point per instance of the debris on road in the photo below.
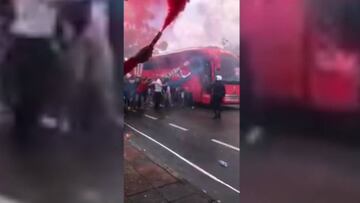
(223, 163)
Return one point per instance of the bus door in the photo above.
(230, 72)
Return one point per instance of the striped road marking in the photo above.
(185, 160)
(178, 127)
(226, 145)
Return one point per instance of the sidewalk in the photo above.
(147, 182)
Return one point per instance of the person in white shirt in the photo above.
(158, 85)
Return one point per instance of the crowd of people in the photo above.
(143, 92)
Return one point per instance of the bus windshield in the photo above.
(230, 69)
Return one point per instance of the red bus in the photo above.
(294, 60)
(195, 69)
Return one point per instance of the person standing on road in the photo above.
(132, 92)
(217, 95)
(169, 96)
(158, 85)
(165, 96)
(141, 92)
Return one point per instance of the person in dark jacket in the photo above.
(217, 95)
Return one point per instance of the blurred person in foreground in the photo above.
(88, 90)
(217, 96)
(249, 123)
(90, 64)
(56, 168)
(38, 74)
(82, 167)
(30, 62)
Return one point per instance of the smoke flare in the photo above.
(175, 7)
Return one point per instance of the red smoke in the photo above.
(137, 29)
(138, 14)
(175, 7)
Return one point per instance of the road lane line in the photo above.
(226, 145)
(185, 160)
(151, 117)
(179, 127)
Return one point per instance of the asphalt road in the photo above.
(190, 143)
(52, 167)
(321, 165)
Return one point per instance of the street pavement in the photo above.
(297, 165)
(190, 143)
(52, 167)
(147, 182)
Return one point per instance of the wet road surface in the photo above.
(190, 143)
(297, 166)
(51, 167)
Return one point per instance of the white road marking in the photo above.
(151, 117)
(226, 145)
(185, 160)
(179, 127)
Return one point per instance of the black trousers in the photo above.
(141, 97)
(157, 99)
(29, 77)
(216, 104)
